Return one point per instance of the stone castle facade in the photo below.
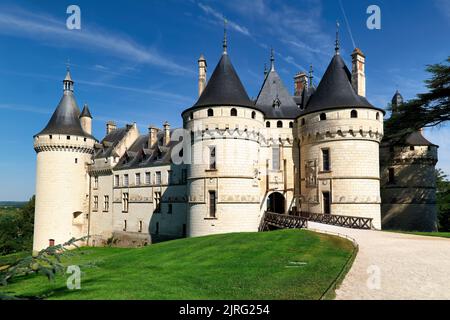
(317, 151)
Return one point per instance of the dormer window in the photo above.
(276, 103)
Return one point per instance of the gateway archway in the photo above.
(276, 203)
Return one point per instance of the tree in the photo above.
(443, 200)
(427, 109)
(16, 229)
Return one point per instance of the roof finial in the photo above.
(311, 75)
(272, 60)
(336, 49)
(225, 45)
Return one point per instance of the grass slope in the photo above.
(284, 264)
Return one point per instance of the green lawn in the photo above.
(284, 264)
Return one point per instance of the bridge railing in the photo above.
(341, 221)
(282, 221)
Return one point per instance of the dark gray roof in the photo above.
(417, 139)
(224, 88)
(141, 155)
(335, 90)
(86, 112)
(274, 100)
(65, 119)
(110, 141)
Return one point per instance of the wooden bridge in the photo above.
(272, 220)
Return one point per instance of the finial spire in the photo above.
(68, 82)
(272, 60)
(311, 75)
(225, 45)
(336, 49)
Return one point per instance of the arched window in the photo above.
(268, 124)
(291, 124)
(354, 114)
(253, 115)
(323, 117)
(378, 116)
(279, 124)
(233, 112)
(210, 113)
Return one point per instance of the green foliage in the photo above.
(46, 262)
(284, 264)
(443, 200)
(427, 109)
(16, 229)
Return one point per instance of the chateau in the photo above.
(319, 150)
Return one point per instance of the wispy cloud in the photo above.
(39, 26)
(220, 17)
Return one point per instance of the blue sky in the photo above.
(136, 61)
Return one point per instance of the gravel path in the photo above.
(395, 266)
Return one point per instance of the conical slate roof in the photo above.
(274, 100)
(86, 112)
(65, 119)
(224, 88)
(335, 90)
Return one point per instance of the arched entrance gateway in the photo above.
(276, 203)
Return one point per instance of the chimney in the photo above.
(201, 74)
(166, 126)
(152, 135)
(110, 126)
(300, 83)
(358, 72)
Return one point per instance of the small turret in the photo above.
(86, 119)
(201, 74)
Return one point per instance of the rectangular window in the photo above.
(212, 158)
(170, 177)
(95, 203)
(125, 180)
(212, 204)
(391, 176)
(276, 158)
(158, 178)
(106, 204)
(183, 176)
(138, 179)
(124, 225)
(326, 202)
(95, 182)
(125, 203)
(169, 208)
(140, 226)
(147, 178)
(157, 202)
(116, 180)
(325, 159)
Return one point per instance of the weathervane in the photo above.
(225, 35)
(337, 38)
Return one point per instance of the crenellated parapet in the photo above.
(67, 143)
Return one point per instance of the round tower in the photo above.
(408, 183)
(223, 185)
(339, 134)
(63, 150)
